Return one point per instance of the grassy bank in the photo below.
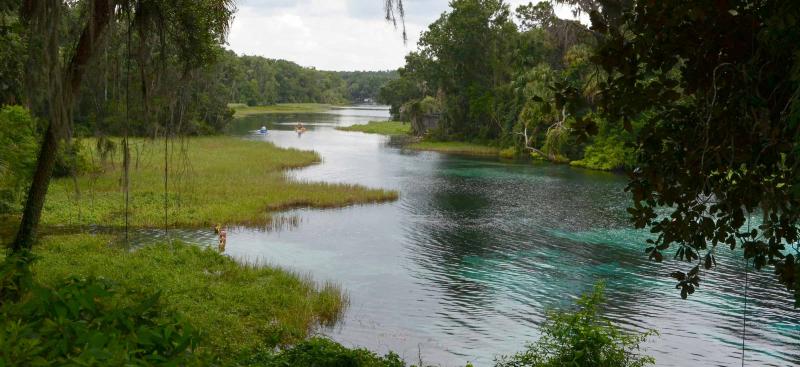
(381, 127)
(237, 307)
(245, 110)
(454, 147)
(211, 180)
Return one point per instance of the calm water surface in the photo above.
(464, 265)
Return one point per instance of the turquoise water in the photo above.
(464, 265)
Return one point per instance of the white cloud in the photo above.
(332, 34)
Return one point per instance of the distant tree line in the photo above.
(135, 85)
(365, 86)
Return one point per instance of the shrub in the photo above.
(322, 352)
(582, 338)
(87, 322)
(608, 153)
(508, 153)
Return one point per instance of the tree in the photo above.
(469, 53)
(196, 26)
(715, 87)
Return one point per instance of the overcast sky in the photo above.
(332, 34)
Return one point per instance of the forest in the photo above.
(505, 94)
(134, 81)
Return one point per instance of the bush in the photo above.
(322, 352)
(607, 154)
(509, 153)
(582, 338)
(87, 322)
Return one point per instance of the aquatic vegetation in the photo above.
(211, 180)
(236, 307)
(380, 127)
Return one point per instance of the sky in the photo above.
(333, 34)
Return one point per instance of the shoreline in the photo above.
(223, 179)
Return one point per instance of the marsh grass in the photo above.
(211, 180)
(239, 307)
(380, 127)
(242, 110)
(454, 147)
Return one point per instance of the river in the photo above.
(463, 266)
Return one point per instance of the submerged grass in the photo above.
(238, 308)
(455, 147)
(381, 127)
(211, 180)
(242, 110)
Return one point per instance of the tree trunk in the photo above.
(38, 190)
(58, 119)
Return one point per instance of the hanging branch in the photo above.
(126, 158)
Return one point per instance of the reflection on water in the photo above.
(464, 265)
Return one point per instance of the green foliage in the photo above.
(417, 108)
(258, 81)
(18, 148)
(455, 147)
(466, 54)
(237, 308)
(397, 92)
(365, 85)
(381, 127)
(11, 54)
(508, 153)
(243, 110)
(606, 154)
(74, 158)
(582, 338)
(611, 149)
(720, 141)
(497, 82)
(322, 352)
(89, 322)
(222, 168)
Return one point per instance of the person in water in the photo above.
(223, 237)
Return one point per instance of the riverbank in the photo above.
(455, 147)
(211, 180)
(242, 110)
(237, 308)
(380, 127)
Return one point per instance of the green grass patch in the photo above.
(454, 147)
(242, 110)
(381, 127)
(211, 180)
(238, 308)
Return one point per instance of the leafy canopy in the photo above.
(715, 85)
